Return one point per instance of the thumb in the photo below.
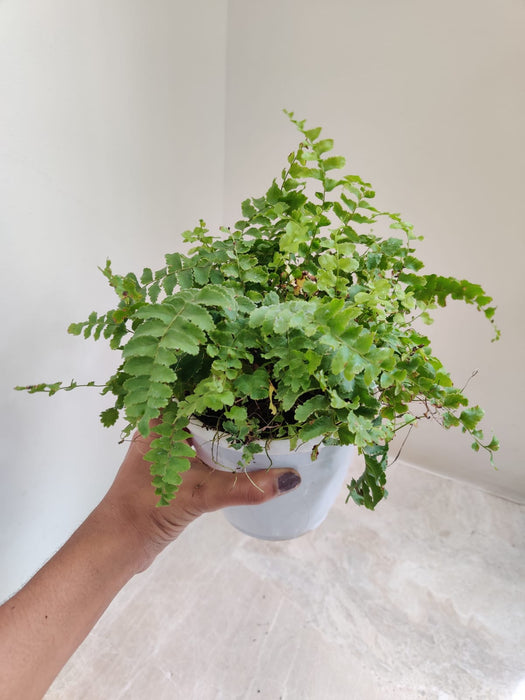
(257, 487)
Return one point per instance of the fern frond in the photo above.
(170, 456)
(164, 330)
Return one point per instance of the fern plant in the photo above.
(298, 323)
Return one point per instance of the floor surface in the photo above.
(423, 598)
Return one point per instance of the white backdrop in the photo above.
(111, 144)
(112, 141)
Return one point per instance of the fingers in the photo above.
(206, 489)
(251, 488)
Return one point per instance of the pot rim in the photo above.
(273, 446)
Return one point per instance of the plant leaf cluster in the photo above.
(297, 322)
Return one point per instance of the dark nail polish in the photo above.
(288, 481)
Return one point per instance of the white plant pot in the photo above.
(294, 513)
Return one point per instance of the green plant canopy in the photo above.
(297, 322)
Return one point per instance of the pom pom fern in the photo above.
(298, 323)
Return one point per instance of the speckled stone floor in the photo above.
(424, 598)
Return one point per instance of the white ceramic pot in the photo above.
(292, 514)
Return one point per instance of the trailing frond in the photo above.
(369, 488)
(169, 455)
(164, 329)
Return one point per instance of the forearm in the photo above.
(43, 624)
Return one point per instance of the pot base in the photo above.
(259, 534)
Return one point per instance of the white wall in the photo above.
(111, 144)
(427, 101)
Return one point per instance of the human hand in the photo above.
(132, 498)
(49, 617)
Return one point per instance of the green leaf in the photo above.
(202, 274)
(138, 365)
(317, 403)
(198, 316)
(147, 276)
(153, 327)
(369, 489)
(255, 385)
(185, 278)
(470, 417)
(493, 444)
(182, 449)
(274, 193)
(174, 261)
(301, 172)
(256, 274)
(150, 393)
(334, 162)
(324, 425)
(449, 420)
(149, 414)
(270, 299)
(169, 283)
(295, 234)
(75, 328)
(163, 312)
(238, 414)
(109, 417)
(154, 291)
(312, 134)
(248, 210)
(215, 295)
(142, 346)
(120, 315)
(161, 373)
(340, 360)
(260, 202)
(184, 336)
(323, 146)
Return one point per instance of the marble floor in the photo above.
(423, 598)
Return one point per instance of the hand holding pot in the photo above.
(203, 490)
(48, 618)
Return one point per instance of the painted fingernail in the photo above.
(288, 481)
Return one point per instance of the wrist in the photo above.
(138, 523)
(133, 547)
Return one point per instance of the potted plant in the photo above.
(296, 324)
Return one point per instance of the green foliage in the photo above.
(297, 322)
